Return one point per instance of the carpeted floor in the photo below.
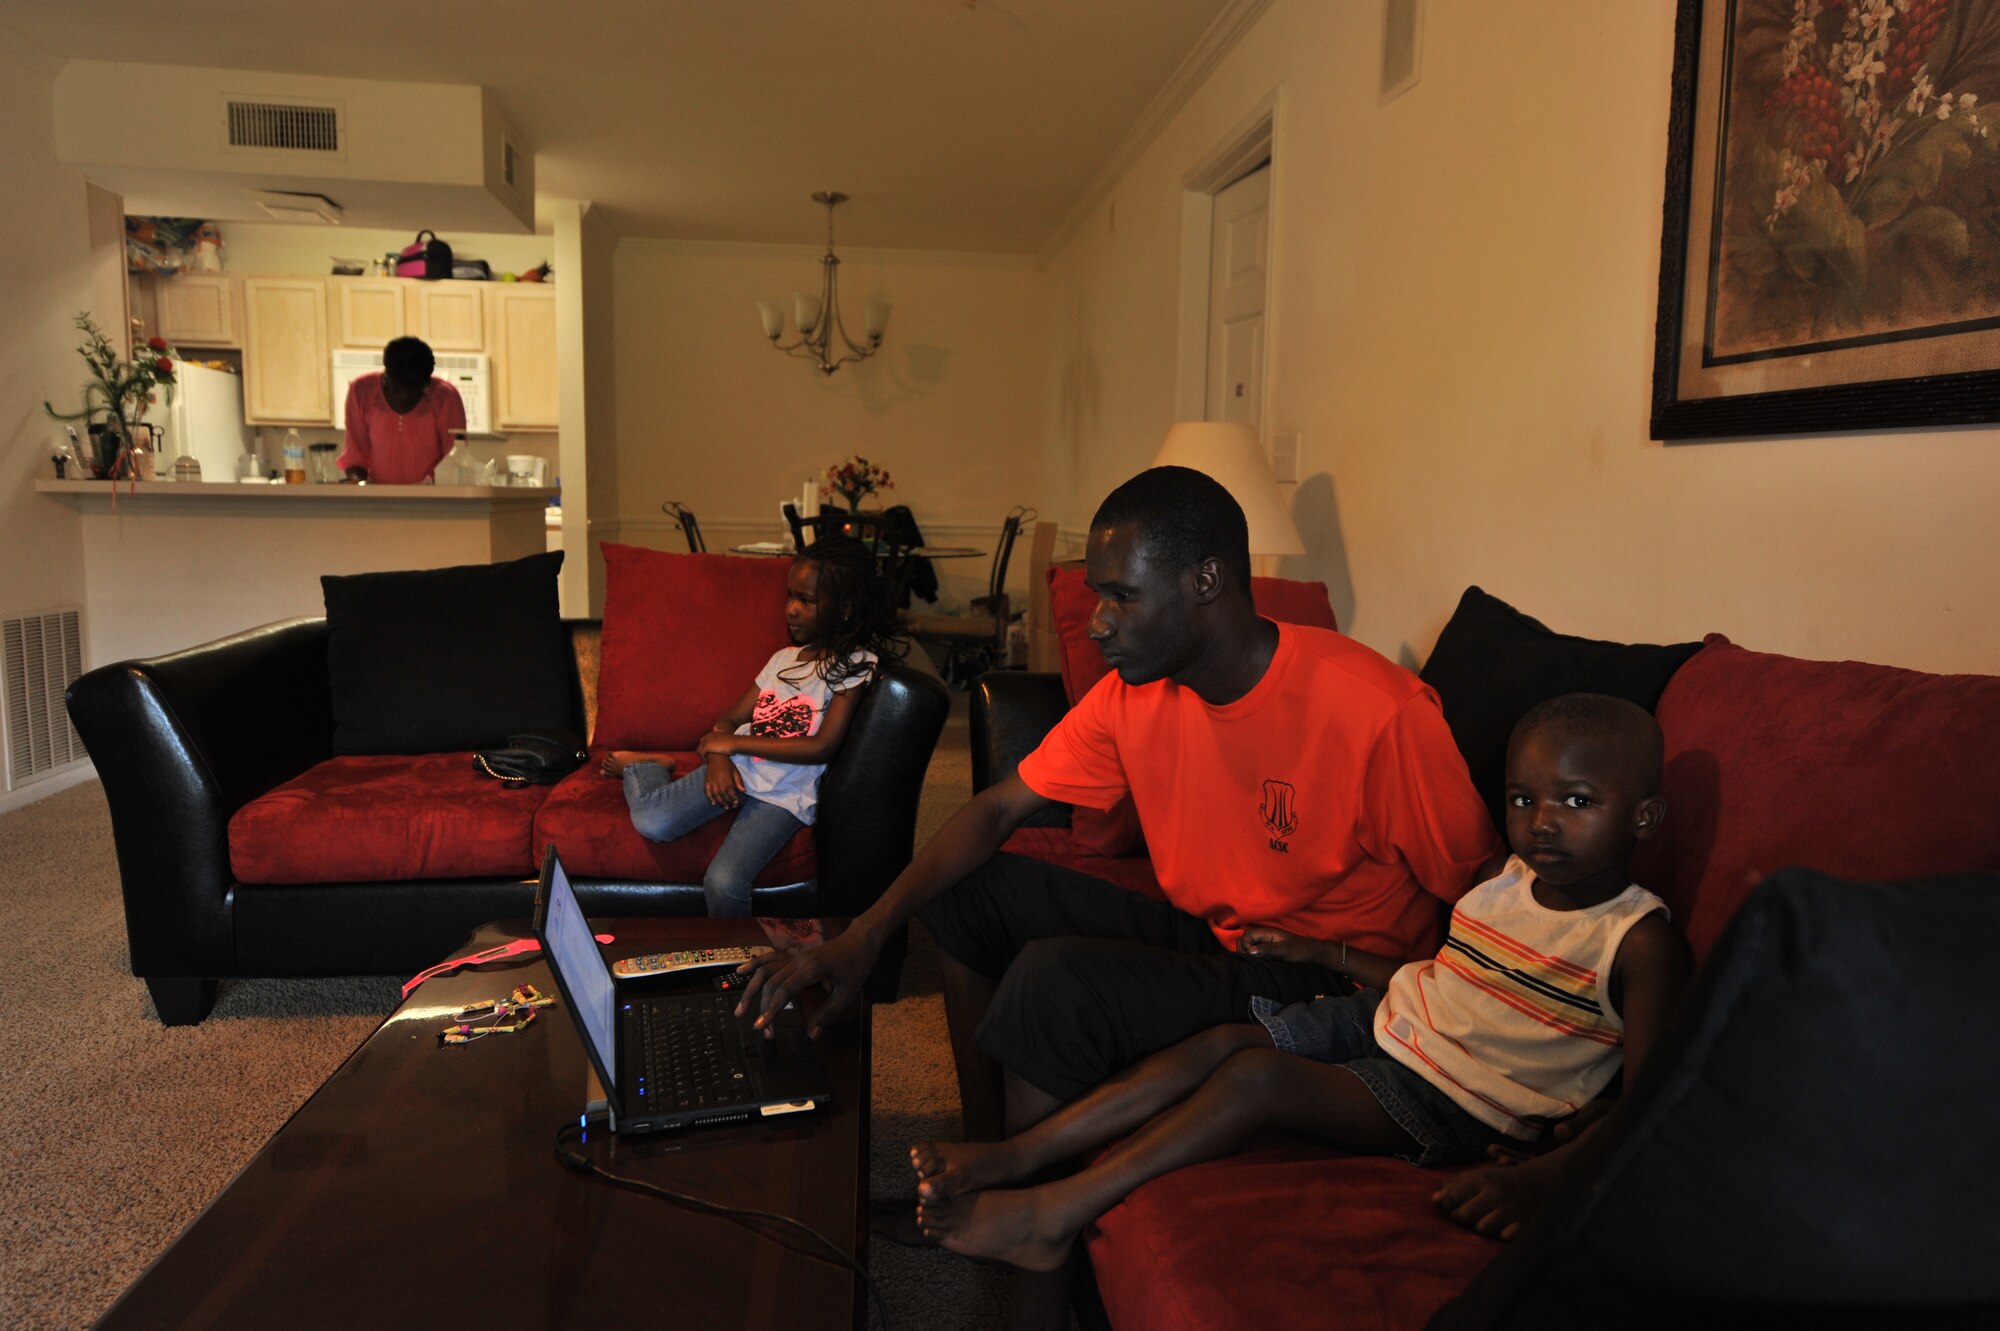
(110, 1165)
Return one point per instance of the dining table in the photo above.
(773, 548)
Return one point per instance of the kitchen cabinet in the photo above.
(450, 316)
(195, 310)
(522, 339)
(287, 363)
(370, 311)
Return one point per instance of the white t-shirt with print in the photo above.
(791, 704)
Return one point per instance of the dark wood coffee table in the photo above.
(420, 1187)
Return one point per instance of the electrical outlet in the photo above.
(1285, 458)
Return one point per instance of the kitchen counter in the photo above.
(178, 563)
(394, 498)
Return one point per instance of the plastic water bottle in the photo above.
(295, 458)
(458, 467)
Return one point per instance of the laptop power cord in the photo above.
(583, 1164)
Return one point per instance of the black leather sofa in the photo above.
(181, 742)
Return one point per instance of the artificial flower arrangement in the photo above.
(119, 390)
(854, 478)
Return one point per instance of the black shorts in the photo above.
(1091, 977)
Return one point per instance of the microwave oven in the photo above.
(470, 374)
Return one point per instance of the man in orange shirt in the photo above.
(1283, 775)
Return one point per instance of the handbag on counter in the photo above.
(426, 258)
(537, 758)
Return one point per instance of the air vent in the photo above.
(40, 656)
(297, 206)
(290, 127)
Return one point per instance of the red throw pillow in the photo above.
(684, 636)
(1863, 771)
(1115, 831)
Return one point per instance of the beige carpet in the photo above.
(107, 1167)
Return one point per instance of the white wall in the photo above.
(710, 415)
(43, 233)
(1464, 283)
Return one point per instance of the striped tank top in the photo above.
(1513, 1019)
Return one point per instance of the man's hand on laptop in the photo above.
(840, 966)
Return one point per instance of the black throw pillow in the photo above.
(441, 659)
(1492, 663)
(1811, 1142)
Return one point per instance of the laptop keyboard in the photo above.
(692, 1055)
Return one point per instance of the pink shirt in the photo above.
(399, 449)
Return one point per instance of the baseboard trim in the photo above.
(49, 785)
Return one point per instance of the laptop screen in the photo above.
(573, 952)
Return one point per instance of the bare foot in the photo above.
(895, 1219)
(1497, 1201)
(618, 760)
(946, 1169)
(1000, 1226)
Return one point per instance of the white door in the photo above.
(1236, 268)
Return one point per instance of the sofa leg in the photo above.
(887, 976)
(181, 1000)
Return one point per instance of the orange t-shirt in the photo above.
(1329, 800)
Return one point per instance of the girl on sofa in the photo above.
(764, 756)
(1553, 967)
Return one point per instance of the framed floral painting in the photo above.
(1830, 254)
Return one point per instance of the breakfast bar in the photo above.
(168, 564)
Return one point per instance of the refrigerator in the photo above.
(206, 421)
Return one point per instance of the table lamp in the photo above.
(1231, 453)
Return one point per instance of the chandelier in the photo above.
(817, 318)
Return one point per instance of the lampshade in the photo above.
(805, 311)
(1230, 453)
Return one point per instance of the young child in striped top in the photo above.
(1555, 970)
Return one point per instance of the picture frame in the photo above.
(1771, 355)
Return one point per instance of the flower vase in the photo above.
(107, 458)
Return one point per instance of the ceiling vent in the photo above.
(284, 126)
(283, 205)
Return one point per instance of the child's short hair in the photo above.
(1630, 726)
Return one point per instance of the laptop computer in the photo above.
(671, 1060)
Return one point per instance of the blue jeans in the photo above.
(1340, 1028)
(665, 807)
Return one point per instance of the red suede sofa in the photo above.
(1865, 771)
(248, 847)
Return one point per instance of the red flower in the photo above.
(163, 366)
(157, 343)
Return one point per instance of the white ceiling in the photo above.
(972, 125)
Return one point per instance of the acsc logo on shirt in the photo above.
(1280, 813)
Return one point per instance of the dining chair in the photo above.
(976, 642)
(883, 532)
(889, 537)
(806, 529)
(691, 529)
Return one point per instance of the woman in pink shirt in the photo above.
(400, 422)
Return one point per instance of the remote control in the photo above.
(696, 959)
